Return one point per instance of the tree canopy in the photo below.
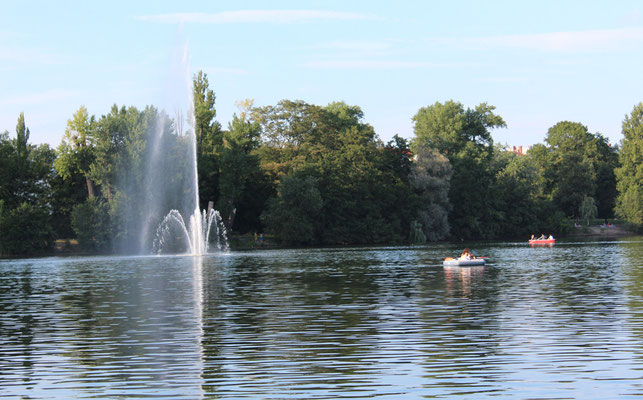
(308, 174)
(630, 173)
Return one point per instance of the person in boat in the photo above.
(532, 237)
(551, 237)
(542, 237)
(467, 255)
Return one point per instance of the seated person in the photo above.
(467, 255)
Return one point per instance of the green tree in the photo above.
(238, 164)
(576, 164)
(90, 221)
(464, 136)
(22, 138)
(209, 138)
(25, 229)
(629, 205)
(363, 183)
(365, 199)
(588, 209)
(112, 135)
(204, 110)
(430, 175)
(449, 127)
(6, 166)
(416, 234)
(26, 175)
(292, 215)
(516, 188)
(76, 150)
(288, 131)
(65, 194)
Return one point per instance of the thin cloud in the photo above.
(371, 64)
(255, 16)
(353, 49)
(47, 96)
(12, 56)
(505, 79)
(559, 42)
(229, 71)
(355, 45)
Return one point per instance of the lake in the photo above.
(560, 322)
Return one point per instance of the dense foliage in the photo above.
(630, 174)
(26, 178)
(308, 174)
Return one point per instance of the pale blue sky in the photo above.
(537, 62)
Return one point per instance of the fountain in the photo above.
(195, 235)
(171, 180)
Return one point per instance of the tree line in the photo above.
(319, 175)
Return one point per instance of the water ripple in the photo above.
(384, 323)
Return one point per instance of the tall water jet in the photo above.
(172, 221)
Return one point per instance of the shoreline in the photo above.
(594, 231)
(69, 247)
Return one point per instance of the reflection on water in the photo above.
(461, 279)
(552, 322)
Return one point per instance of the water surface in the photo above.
(561, 322)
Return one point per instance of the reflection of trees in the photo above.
(633, 283)
(579, 287)
(126, 322)
(17, 324)
(307, 319)
(460, 328)
(100, 327)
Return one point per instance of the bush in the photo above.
(90, 221)
(25, 229)
(293, 215)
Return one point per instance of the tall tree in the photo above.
(238, 164)
(110, 138)
(25, 193)
(209, 138)
(204, 110)
(363, 188)
(429, 177)
(22, 138)
(293, 215)
(630, 174)
(517, 197)
(577, 164)
(6, 166)
(76, 150)
(464, 136)
(448, 127)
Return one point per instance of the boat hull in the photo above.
(464, 263)
(545, 241)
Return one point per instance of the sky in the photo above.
(538, 63)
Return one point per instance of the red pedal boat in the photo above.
(542, 241)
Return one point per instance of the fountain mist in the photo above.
(170, 187)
